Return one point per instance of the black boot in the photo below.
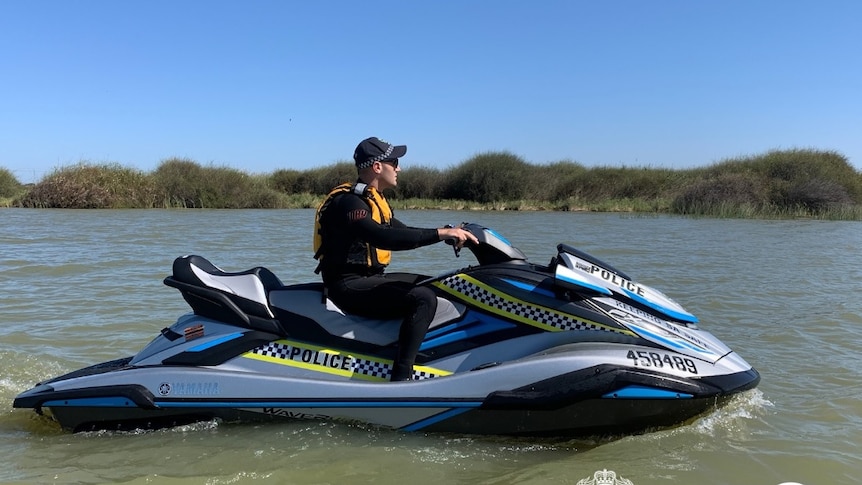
(413, 328)
(401, 372)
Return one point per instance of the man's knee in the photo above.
(424, 296)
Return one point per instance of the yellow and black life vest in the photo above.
(380, 212)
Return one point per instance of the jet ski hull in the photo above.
(572, 348)
(595, 401)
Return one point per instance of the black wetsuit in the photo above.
(363, 289)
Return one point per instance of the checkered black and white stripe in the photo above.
(371, 368)
(423, 374)
(273, 349)
(502, 304)
(366, 367)
(378, 158)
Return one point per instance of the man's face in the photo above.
(388, 174)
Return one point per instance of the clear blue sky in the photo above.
(261, 85)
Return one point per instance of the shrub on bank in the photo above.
(413, 182)
(556, 181)
(9, 184)
(488, 177)
(287, 181)
(798, 181)
(713, 195)
(184, 183)
(603, 183)
(318, 181)
(87, 186)
(816, 195)
(790, 183)
(419, 183)
(181, 183)
(10, 187)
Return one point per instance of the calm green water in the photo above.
(81, 287)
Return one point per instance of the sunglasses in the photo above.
(391, 161)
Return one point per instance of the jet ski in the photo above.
(571, 348)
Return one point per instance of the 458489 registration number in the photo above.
(642, 358)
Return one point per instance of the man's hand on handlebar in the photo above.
(456, 236)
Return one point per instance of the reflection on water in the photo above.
(80, 287)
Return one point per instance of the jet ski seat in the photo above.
(239, 298)
(305, 300)
(256, 298)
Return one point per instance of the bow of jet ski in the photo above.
(571, 348)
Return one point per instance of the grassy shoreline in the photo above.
(777, 184)
(844, 213)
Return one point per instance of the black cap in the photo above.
(374, 149)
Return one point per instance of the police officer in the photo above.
(354, 236)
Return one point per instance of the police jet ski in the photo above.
(570, 348)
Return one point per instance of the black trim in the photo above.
(225, 308)
(102, 368)
(732, 383)
(138, 394)
(170, 334)
(600, 418)
(223, 352)
(597, 381)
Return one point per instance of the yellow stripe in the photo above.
(304, 365)
(513, 316)
(330, 353)
(431, 370)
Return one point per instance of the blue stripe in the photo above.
(213, 343)
(643, 392)
(682, 316)
(529, 287)
(679, 343)
(93, 402)
(500, 237)
(483, 326)
(646, 333)
(583, 284)
(435, 419)
(447, 328)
